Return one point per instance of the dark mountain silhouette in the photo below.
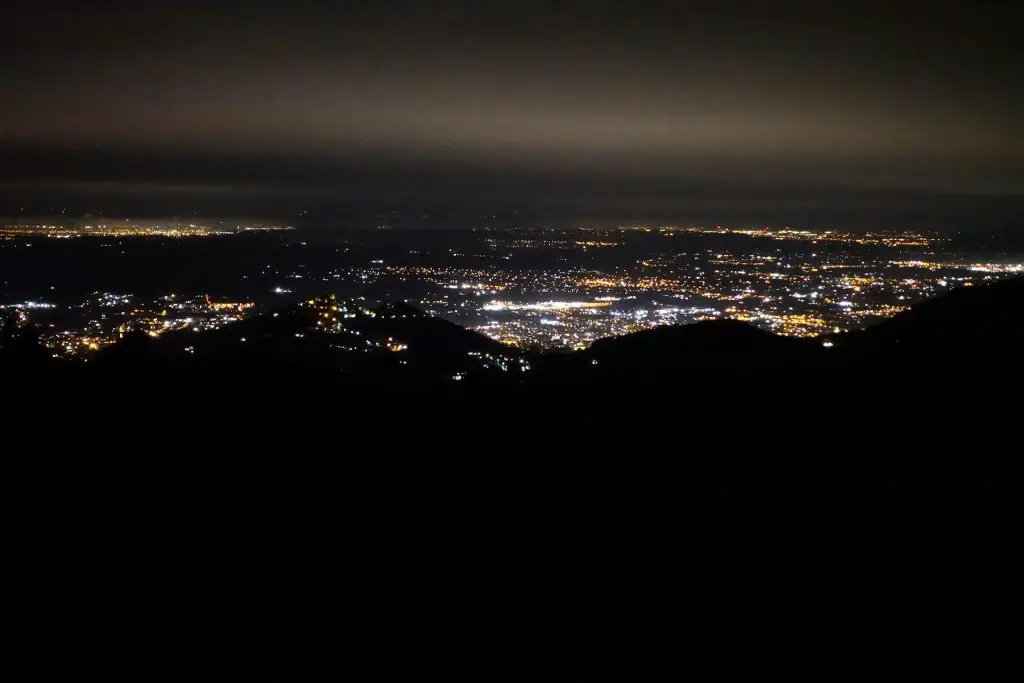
(711, 336)
(199, 509)
(398, 309)
(433, 336)
(968, 322)
(393, 342)
(714, 346)
(402, 323)
(971, 327)
(20, 342)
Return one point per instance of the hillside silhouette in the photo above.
(392, 342)
(967, 324)
(261, 497)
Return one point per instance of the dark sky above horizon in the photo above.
(405, 99)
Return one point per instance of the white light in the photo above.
(542, 306)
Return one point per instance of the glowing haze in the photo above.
(908, 95)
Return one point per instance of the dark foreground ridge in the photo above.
(709, 500)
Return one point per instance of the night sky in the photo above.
(598, 101)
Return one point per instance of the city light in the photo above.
(765, 277)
